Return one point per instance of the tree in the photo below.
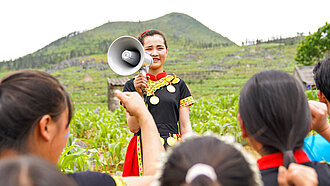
(313, 48)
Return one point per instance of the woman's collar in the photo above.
(276, 159)
(157, 77)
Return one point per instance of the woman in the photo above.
(35, 113)
(275, 117)
(209, 160)
(168, 100)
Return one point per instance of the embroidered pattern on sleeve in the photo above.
(119, 181)
(187, 101)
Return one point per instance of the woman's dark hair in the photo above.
(275, 112)
(151, 32)
(31, 171)
(26, 96)
(229, 164)
(321, 73)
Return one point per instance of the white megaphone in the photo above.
(126, 56)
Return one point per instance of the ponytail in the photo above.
(288, 158)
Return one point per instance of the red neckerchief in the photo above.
(157, 77)
(276, 159)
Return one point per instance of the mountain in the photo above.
(180, 30)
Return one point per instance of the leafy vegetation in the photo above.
(215, 77)
(313, 48)
(97, 141)
(106, 136)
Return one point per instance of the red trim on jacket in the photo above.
(276, 159)
(157, 77)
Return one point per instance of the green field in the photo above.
(214, 76)
(206, 72)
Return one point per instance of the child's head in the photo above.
(209, 160)
(275, 112)
(31, 171)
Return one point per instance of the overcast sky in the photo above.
(28, 25)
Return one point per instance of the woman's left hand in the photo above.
(297, 175)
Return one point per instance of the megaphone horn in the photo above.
(126, 56)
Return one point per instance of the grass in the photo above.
(206, 72)
(215, 77)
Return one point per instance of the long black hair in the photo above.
(26, 96)
(275, 112)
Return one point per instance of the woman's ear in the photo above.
(321, 97)
(240, 120)
(46, 127)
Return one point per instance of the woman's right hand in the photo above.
(133, 104)
(131, 120)
(140, 81)
(319, 121)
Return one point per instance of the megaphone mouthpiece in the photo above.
(131, 57)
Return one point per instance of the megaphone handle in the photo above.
(144, 70)
(144, 93)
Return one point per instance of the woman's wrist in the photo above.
(325, 133)
(144, 118)
(325, 129)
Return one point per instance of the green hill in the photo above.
(286, 41)
(181, 31)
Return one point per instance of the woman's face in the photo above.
(61, 138)
(155, 47)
